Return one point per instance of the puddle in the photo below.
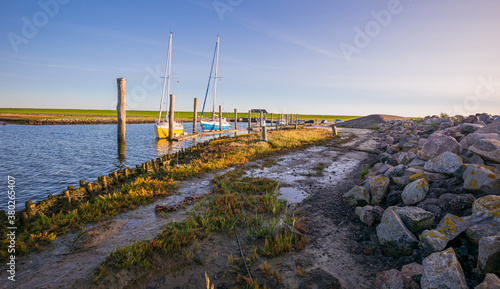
(292, 195)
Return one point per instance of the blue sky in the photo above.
(410, 58)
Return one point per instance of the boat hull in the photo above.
(162, 130)
(213, 125)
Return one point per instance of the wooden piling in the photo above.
(249, 119)
(271, 119)
(264, 133)
(265, 119)
(195, 115)
(260, 119)
(171, 118)
(334, 130)
(122, 118)
(220, 117)
(235, 119)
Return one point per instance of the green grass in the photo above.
(153, 114)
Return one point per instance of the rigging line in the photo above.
(209, 78)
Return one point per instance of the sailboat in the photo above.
(211, 125)
(162, 127)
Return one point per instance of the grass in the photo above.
(219, 154)
(185, 115)
(237, 201)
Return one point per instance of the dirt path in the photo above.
(341, 252)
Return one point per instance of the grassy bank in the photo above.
(34, 113)
(220, 154)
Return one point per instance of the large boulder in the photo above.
(448, 229)
(357, 196)
(437, 144)
(468, 128)
(481, 179)
(415, 219)
(486, 203)
(442, 270)
(395, 239)
(472, 138)
(490, 128)
(445, 163)
(489, 254)
(369, 214)
(415, 192)
(378, 189)
(488, 149)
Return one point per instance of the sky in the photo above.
(399, 57)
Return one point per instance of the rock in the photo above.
(471, 119)
(471, 158)
(490, 128)
(442, 270)
(488, 149)
(394, 279)
(459, 205)
(393, 197)
(414, 218)
(489, 254)
(398, 170)
(402, 158)
(437, 144)
(485, 204)
(448, 229)
(357, 196)
(432, 205)
(408, 146)
(378, 189)
(415, 192)
(392, 149)
(485, 220)
(401, 181)
(369, 214)
(413, 270)
(395, 239)
(481, 179)
(468, 128)
(491, 281)
(445, 163)
(417, 163)
(472, 138)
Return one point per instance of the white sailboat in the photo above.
(212, 125)
(162, 127)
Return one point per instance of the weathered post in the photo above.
(265, 119)
(264, 133)
(171, 118)
(297, 118)
(235, 119)
(249, 119)
(122, 118)
(272, 119)
(220, 117)
(334, 130)
(195, 115)
(260, 120)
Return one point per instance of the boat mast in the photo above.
(167, 72)
(215, 77)
(169, 62)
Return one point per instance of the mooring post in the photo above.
(235, 119)
(195, 115)
(264, 133)
(265, 119)
(297, 118)
(334, 130)
(171, 118)
(272, 119)
(220, 117)
(249, 119)
(122, 118)
(260, 120)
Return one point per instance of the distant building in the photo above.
(259, 111)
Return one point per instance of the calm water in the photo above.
(45, 159)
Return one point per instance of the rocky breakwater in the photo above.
(434, 198)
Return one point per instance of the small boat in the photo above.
(213, 124)
(162, 126)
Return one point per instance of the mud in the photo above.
(341, 252)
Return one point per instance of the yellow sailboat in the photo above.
(162, 127)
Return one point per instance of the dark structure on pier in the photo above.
(258, 111)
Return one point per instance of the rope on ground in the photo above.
(241, 252)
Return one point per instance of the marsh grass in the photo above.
(219, 154)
